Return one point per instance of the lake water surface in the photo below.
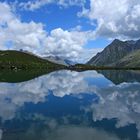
(69, 105)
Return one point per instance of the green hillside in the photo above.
(23, 60)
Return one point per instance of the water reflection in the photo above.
(120, 76)
(67, 132)
(60, 83)
(70, 105)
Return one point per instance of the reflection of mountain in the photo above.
(120, 76)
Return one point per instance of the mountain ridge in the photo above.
(114, 52)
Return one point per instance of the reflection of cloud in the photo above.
(79, 133)
(61, 83)
(56, 131)
(121, 102)
(1, 134)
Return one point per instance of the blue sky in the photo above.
(72, 29)
(54, 16)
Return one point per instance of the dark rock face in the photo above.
(114, 52)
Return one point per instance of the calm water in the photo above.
(68, 105)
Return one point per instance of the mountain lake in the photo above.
(70, 105)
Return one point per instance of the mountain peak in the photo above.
(114, 52)
(116, 41)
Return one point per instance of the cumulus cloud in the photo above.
(22, 35)
(115, 19)
(70, 43)
(32, 37)
(33, 5)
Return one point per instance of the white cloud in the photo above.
(70, 43)
(23, 35)
(33, 5)
(32, 37)
(119, 18)
(87, 53)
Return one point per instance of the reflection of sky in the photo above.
(60, 84)
(67, 93)
(53, 130)
(100, 82)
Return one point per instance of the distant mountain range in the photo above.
(118, 54)
(61, 61)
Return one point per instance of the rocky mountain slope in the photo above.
(116, 53)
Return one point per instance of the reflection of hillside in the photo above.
(116, 76)
(120, 76)
(21, 76)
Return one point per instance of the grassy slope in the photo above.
(131, 60)
(21, 60)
